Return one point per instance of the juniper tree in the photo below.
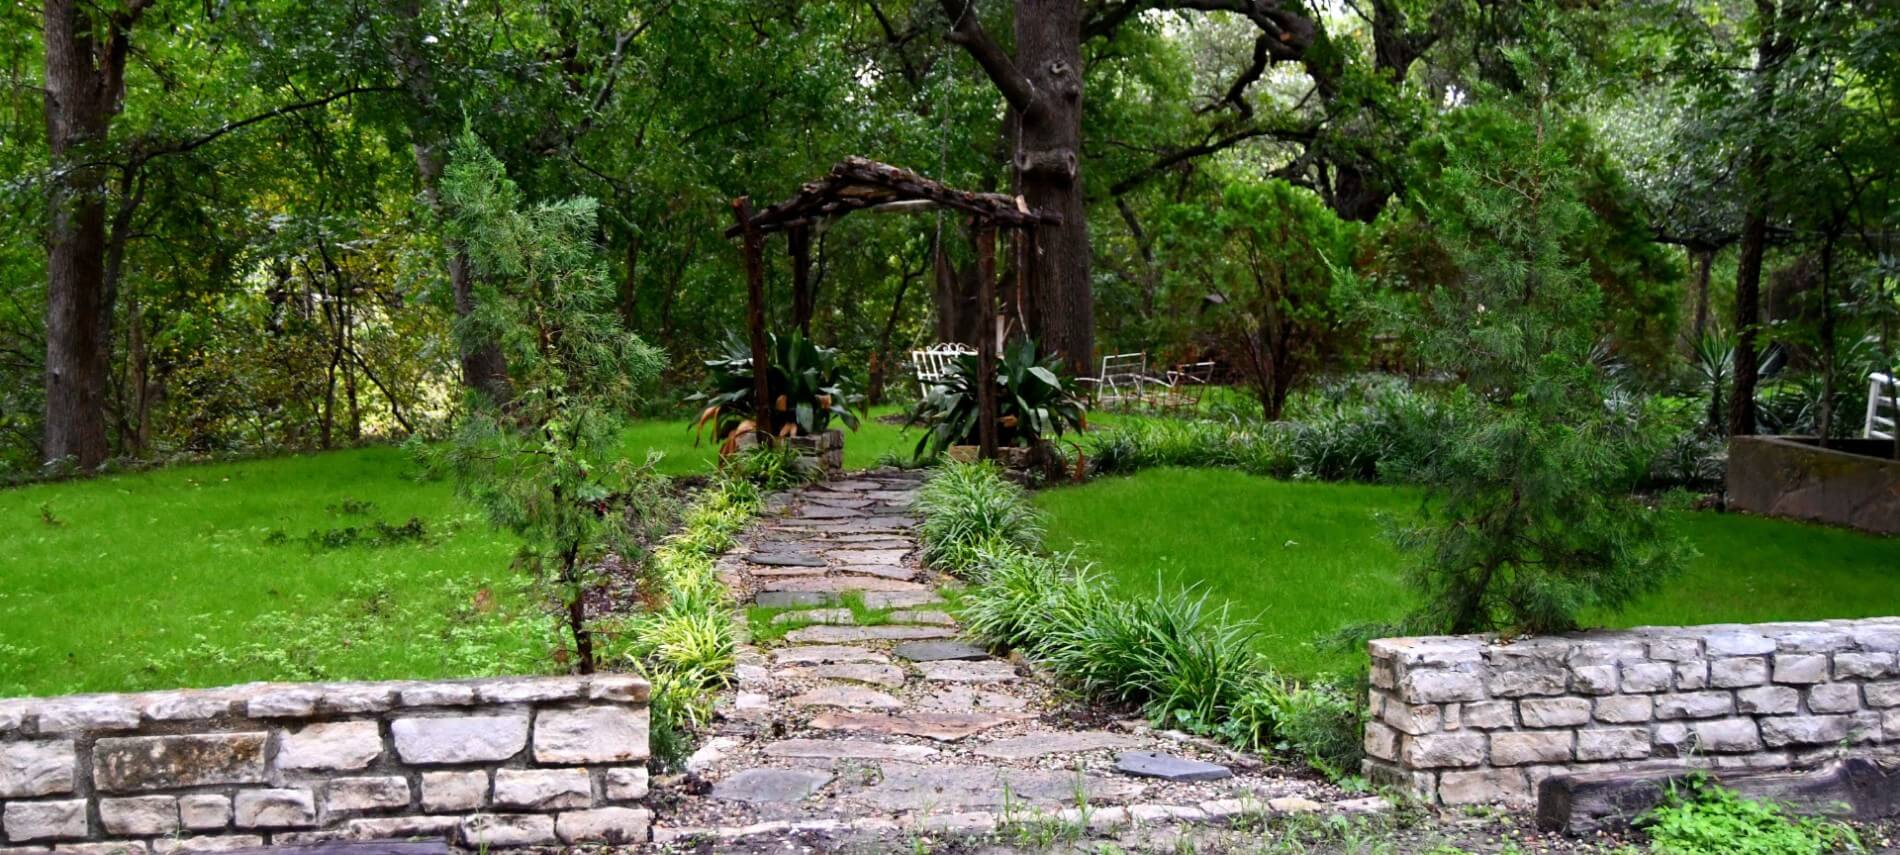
(545, 463)
(1529, 520)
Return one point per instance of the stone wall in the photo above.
(1856, 484)
(503, 762)
(1471, 719)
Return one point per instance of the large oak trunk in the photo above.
(1048, 163)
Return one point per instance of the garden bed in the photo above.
(1855, 482)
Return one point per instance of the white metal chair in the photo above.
(1121, 379)
(935, 362)
(1882, 414)
(1183, 386)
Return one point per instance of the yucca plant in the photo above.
(1033, 402)
(806, 385)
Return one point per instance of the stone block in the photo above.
(543, 789)
(1553, 712)
(1805, 668)
(341, 745)
(1381, 742)
(1672, 738)
(613, 734)
(1768, 700)
(1782, 731)
(28, 822)
(1834, 698)
(382, 792)
(387, 828)
(139, 816)
(490, 830)
(1738, 672)
(1435, 686)
(43, 767)
(1625, 709)
(1593, 679)
(460, 739)
(1525, 678)
(1815, 640)
(1613, 743)
(1890, 724)
(1414, 719)
(88, 713)
(1675, 649)
(1488, 715)
(1441, 750)
(1383, 674)
(1648, 677)
(204, 811)
(1484, 786)
(285, 702)
(1428, 651)
(1695, 705)
(531, 690)
(437, 695)
(1737, 643)
(359, 698)
(1877, 638)
(207, 843)
(1727, 736)
(1863, 666)
(445, 792)
(618, 688)
(625, 784)
(134, 763)
(1525, 747)
(110, 847)
(611, 825)
(1883, 695)
(188, 705)
(290, 807)
(1692, 675)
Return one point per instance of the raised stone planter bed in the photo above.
(1855, 483)
(483, 763)
(1471, 719)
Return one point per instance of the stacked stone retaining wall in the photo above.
(1472, 719)
(483, 763)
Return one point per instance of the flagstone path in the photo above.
(894, 725)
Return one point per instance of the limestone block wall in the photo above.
(484, 763)
(1472, 719)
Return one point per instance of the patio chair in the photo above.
(935, 362)
(1882, 414)
(1120, 381)
(1183, 386)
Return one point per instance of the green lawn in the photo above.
(1302, 559)
(206, 575)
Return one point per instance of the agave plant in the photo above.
(1033, 402)
(806, 386)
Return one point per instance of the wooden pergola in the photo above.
(858, 184)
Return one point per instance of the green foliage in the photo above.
(1034, 402)
(543, 464)
(969, 507)
(1700, 817)
(806, 385)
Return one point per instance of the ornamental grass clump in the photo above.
(968, 507)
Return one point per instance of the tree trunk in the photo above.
(84, 89)
(1770, 50)
(1048, 166)
(1704, 260)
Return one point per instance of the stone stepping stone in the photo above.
(782, 572)
(1169, 767)
(784, 599)
(883, 571)
(901, 497)
(929, 617)
(849, 634)
(841, 584)
(940, 726)
(868, 556)
(966, 698)
(849, 485)
(829, 617)
(1054, 742)
(785, 558)
(866, 541)
(847, 697)
(769, 786)
(888, 676)
(965, 671)
(848, 749)
(826, 654)
(937, 651)
(826, 512)
(910, 787)
(901, 599)
(847, 501)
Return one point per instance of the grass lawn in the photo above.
(207, 575)
(1302, 559)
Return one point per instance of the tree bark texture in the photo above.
(1770, 50)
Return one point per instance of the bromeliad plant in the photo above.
(1033, 403)
(806, 386)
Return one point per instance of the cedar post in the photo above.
(755, 314)
(986, 343)
(804, 303)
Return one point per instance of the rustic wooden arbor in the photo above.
(857, 184)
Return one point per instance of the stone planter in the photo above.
(1856, 483)
(824, 451)
(1016, 460)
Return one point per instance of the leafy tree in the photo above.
(545, 464)
(1529, 520)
